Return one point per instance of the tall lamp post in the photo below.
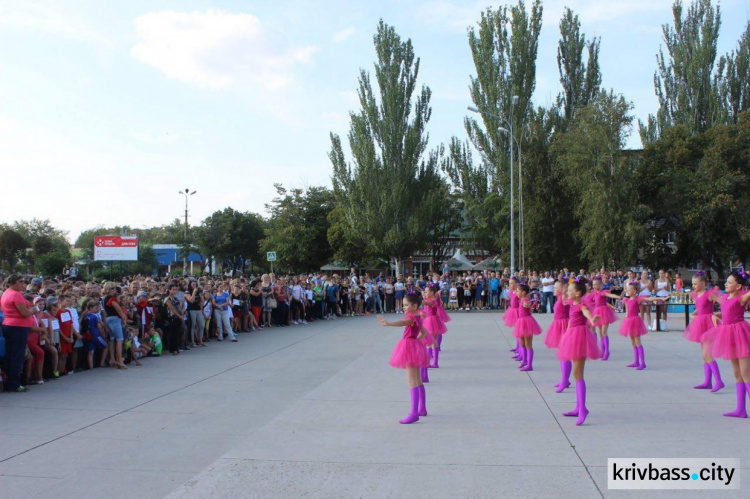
(510, 126)
(187, 194)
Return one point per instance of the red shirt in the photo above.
(66, 322)
(13, 317)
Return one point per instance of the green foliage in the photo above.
(504, 51)
(606, 206)
(382, 191)
(735, 85)
(298, 228)
(12, 247)
(685, 81)
(231, 236)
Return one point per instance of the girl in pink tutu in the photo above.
(579, 343)
(441, 313)
(410, 354)
(633, 326)
(731, 339)
(557, 328)
(703, 320)
(511, 315)
(606, 314)
(526, 328)
(434, 326)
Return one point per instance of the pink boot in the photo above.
(740, 412)
(414, 414)
(706, 378)
(717, 376)
(422, 407)
(529, 360)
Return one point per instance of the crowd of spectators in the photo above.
(57, 327)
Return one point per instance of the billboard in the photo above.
(116, 248)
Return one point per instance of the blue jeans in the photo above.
(15, 350)
(548, 297)
(114, 324)
(494, 299)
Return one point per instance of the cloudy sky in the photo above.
(107, 109)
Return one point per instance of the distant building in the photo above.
(169, 260)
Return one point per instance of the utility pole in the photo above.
(187, 194)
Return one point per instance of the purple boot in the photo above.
(523, 353)
(706, 378)
(605, 347)
(439, 342)
(581, 395)
(414, 414)
(740, 412)
(717, 376)
(518, 345)
(565, 381)
(529, 360)
(635, 362)
(435, 355)
(425, 376)
(422, 408)
(642, 358)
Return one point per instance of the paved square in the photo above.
(312, 411)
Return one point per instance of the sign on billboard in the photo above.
(116, 248)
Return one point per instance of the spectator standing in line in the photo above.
(494, 291)
(16, 326)
(548, 293)
(222, 313)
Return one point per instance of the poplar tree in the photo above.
(735, 71)
(384, 186)
(685, 81)
(504, 51)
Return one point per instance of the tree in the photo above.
(232, 237)
(685, 82)
(504, 51)
(442, 212)
(12, 247)
(580, 80)
(298, 228)
(383, 189)
(602, 179)
(734, 69)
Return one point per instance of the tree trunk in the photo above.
(399, 268)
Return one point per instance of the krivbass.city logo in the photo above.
(686, 474)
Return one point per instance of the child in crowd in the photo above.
(453, 297)
(92, 334)
(65, 319)
(411, 355)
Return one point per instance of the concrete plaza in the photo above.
(312, 411)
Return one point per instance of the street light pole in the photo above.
(514, 101)
(187, 194)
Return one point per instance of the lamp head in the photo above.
(502, 129)
(473, 109)
(515, 100)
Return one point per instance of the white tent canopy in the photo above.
(459, 262)
(488, 264)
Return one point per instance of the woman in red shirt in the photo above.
(16, 325)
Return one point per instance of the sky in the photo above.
(108, 109)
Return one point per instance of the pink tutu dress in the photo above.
(559, 323)
(526, 325)
(511, 315)
(731, 339)
(704, 309)
(633, 325)
(602, 309)
(432, 322)
(409, 351)
(579, 341)
(441, 313)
